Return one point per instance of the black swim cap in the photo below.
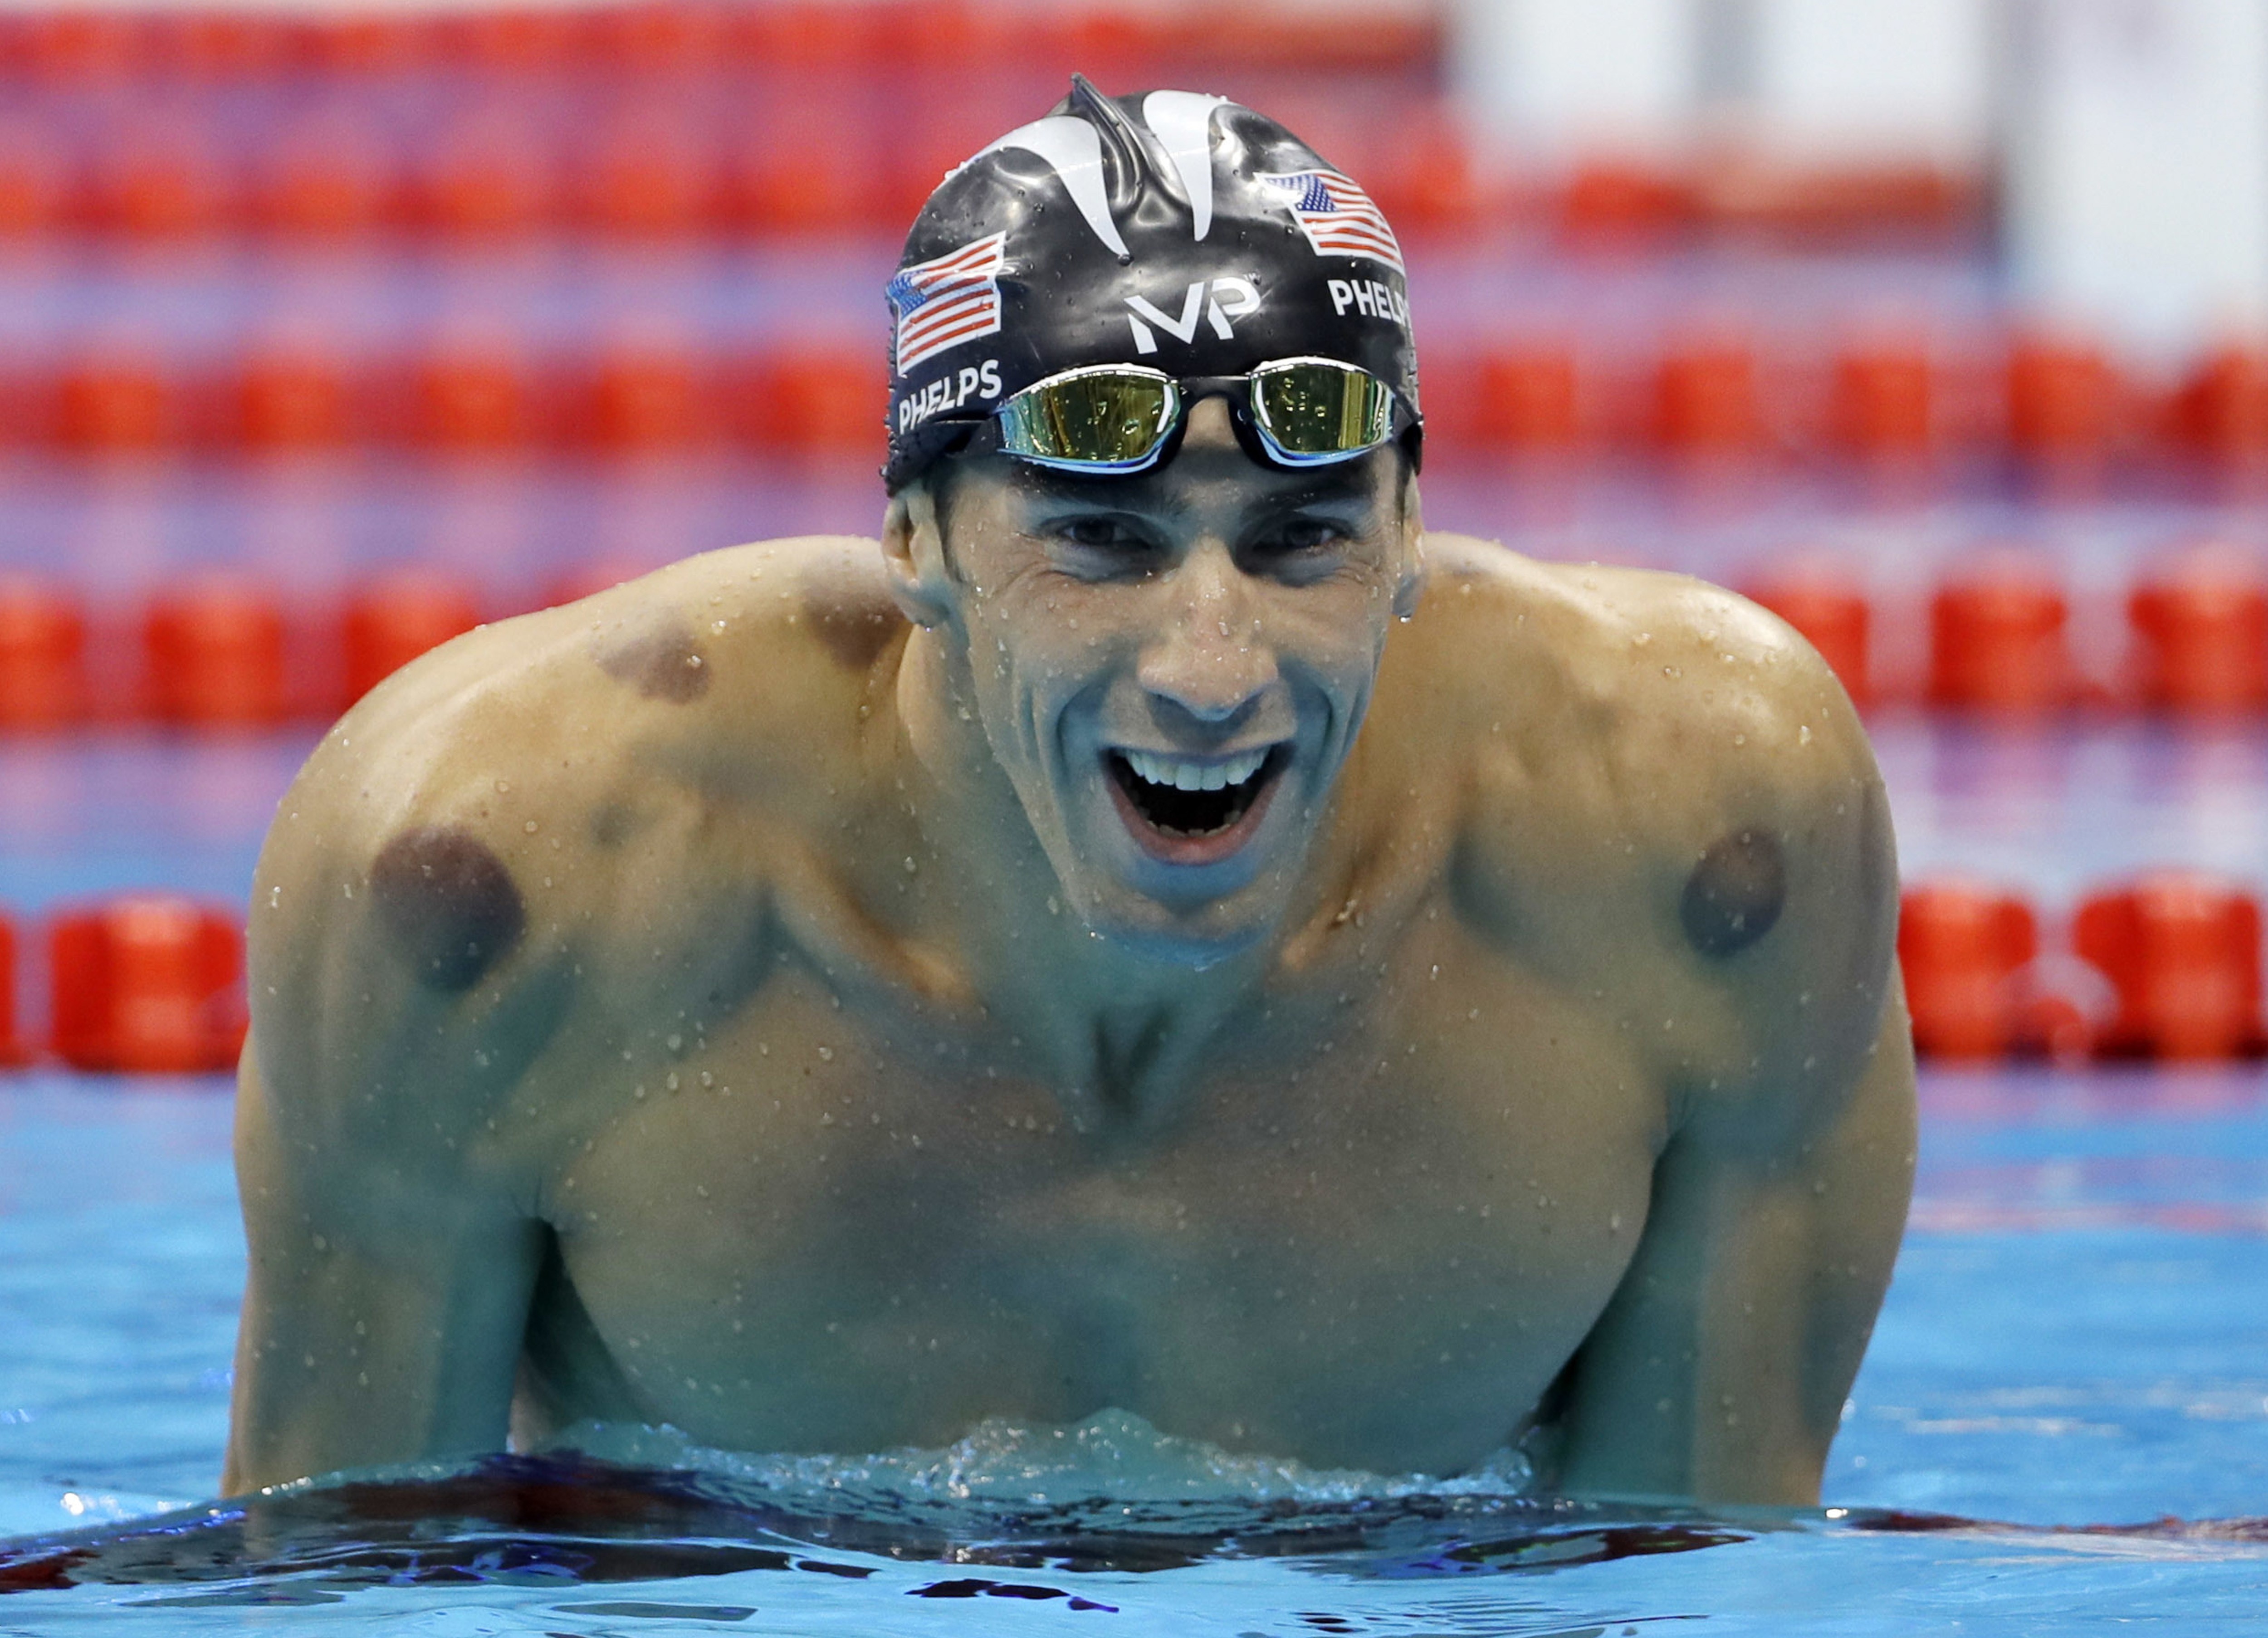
(1169, 229)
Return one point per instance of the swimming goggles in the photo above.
(1114, 419)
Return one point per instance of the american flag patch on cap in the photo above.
(945, 302)
(1336, 215)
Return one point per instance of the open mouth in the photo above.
(1194, 808)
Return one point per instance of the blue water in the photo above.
(2078, 1334)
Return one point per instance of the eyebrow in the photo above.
(1337, 483)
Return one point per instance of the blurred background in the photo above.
(1941, 326)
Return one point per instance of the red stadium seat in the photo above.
(2181, 950)
(150, 983)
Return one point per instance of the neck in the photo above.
(1117, 1033)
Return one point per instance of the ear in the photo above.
(1410, 586)
(913, 556)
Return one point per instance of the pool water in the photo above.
(2077, 1336)
(2077, 1339)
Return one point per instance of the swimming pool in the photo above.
(2078, 1335)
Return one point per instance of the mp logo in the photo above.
(1231, 298)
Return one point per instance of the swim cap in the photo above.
(1169, 229)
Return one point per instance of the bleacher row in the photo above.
(2166, 966)
(1909, 404)
(225, 650)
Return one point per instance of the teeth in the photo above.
(1153, 769)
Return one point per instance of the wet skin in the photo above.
(769, 998)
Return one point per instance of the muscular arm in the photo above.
(1718, 1371)
(1680, 818)
(399, 996)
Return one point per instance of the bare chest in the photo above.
(1369, 1234)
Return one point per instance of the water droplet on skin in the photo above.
(1803, 733)
(639, 1091)
(503, 788)
(529, 827)
(826, 1054)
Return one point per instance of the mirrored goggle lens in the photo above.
(1099, 420)
(1315, 409)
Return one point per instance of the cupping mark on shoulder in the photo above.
(662, 661)
(1735, 894)
(853, 614)
(447, 904)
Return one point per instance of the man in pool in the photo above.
(1160, 931)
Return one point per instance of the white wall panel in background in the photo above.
(1840, 81)
(1555, 78)
(2138, 166)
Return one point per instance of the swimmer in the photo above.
(1159, 931)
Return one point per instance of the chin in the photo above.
(1189, 897)
(1195, 939)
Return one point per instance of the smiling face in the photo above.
(1170, 668)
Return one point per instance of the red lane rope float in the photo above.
(1706, 401)
(1883, 403)
(1997, 640)
(42, 655)
(151, 983)
(1830, 610)
(2201, 629)
(13, 1046)
(213, 654)
(390, 620)
(1963, 946)
(2181, 950)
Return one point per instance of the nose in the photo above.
(1209, 662)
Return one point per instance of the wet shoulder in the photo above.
(549, 770)
(1637, 732)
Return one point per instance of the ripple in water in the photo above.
(622, 1504)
